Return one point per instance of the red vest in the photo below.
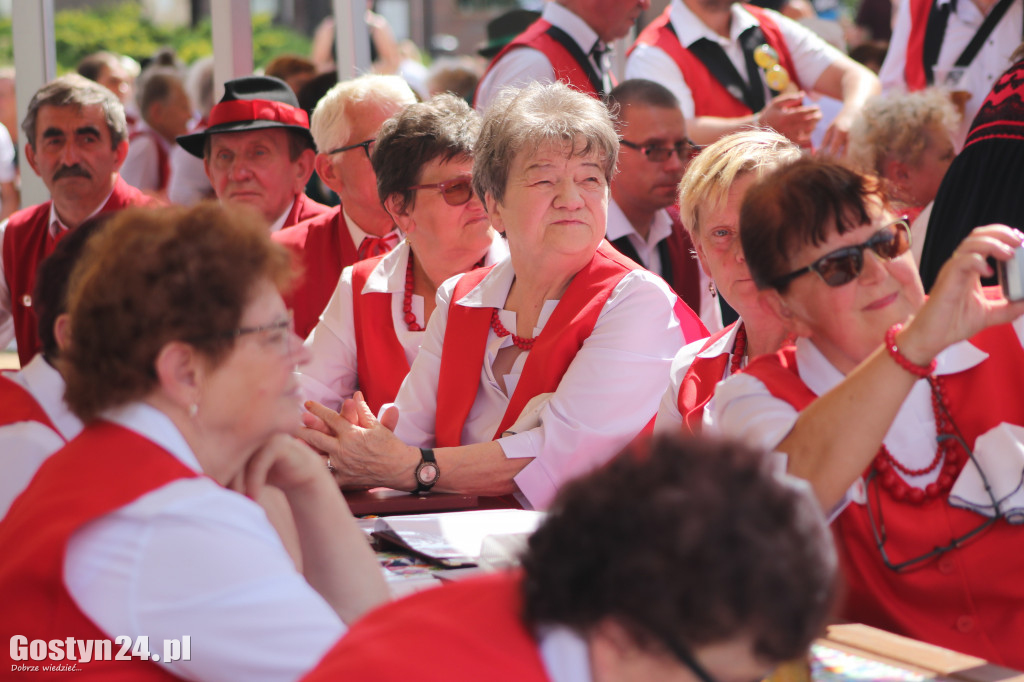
(566, 68)
(569, 326)
(18, 405)
(685, 266)
(699, 382)
(322, 245)
(380, 356)
(26, 243)
(469, 630)
(105, 468)
(162, 158)
(304, 208)
(913, 68)
(710, 98)
(969, 599)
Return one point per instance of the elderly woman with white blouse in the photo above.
(372, 328)
(539, 368)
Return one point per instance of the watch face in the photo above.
(427, 473)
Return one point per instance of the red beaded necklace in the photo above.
(739, 349)
(884, 463)
(409, 316)
(499, 329)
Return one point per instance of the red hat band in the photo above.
(258, 110)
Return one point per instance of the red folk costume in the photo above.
(470, 630)
(570, 325)
(103, 469)
(566, 67)
(323, 245)
(163, 159)
(710, 98)
(698, 384)
(968, 599)
(27, 242)
(380, 357)
(18, 405)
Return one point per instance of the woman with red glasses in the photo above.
(903, 412)
(371, 330)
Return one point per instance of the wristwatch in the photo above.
(427, 472)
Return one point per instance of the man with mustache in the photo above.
(77, 139)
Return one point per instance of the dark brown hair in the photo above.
(153, 276)
(694, 540)
(444, 128)
(801, 204)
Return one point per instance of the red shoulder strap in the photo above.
(380, 356)
(913, 67)
(698, 384)
(18, 405)
(774, 37)
(778, 372)
(462, 356)
(685, 267)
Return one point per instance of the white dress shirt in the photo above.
(331, 376)
(194, 558)
(24, 446)
(978, 78)
(647, 249)
(525, 65)
(811, 55)
(141, 168)
(608, 393)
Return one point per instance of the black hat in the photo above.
(504, 28)
(251, 103)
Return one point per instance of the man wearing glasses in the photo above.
(344, 126)
(642, 221)
(258, 150)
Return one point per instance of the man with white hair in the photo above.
(344, 126)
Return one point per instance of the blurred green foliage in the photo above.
(121, 27)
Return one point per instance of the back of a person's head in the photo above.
(153, 276)
(331, 121)
(157, 84)
(686, 540)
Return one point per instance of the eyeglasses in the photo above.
(365, 144)
(878, 529)
(685, 149)
(455, 192)
(844, 265)
(683, 654)
(279, 334)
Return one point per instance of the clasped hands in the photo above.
(363, 449)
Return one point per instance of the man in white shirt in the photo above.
(345, 124)
(166, 111)
(704, 53)
(569, 43)
(642, 221)
(933, 50)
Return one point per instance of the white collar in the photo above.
(154, 425)
(279, 223)
(570, 22)
(618, 225)
(564, 653)
(724, 344)
(492, 291)
(47, 386)
(56, 225)
(389, 275)
(821, 376)
(689, 28)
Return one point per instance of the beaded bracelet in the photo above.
(900, 358)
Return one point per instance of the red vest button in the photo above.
(965, 624)
(946, 565)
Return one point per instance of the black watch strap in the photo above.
(427, 466)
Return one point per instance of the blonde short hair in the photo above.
(330, 124)
(711, 175)
(894, 126)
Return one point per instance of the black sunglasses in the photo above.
(365, 144)
(455, 192)
(685, 149)
(844, 265)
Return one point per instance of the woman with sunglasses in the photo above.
(145, 525)
(710, 195)
(372, 328)
(899, 410)
(540, 368)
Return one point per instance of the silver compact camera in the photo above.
(1011, 275)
